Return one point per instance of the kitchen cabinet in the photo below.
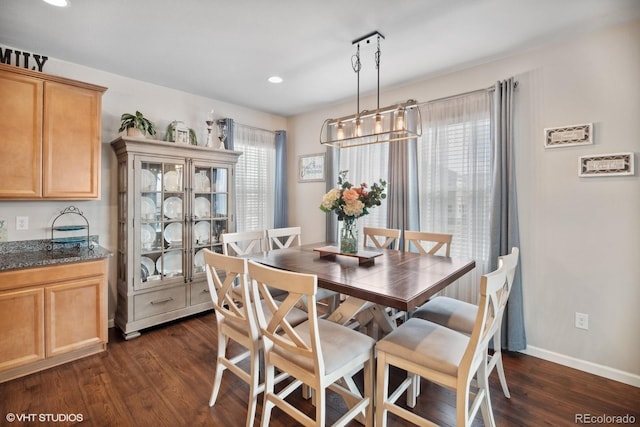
(51, 315)
(174, 200)
(50, 144)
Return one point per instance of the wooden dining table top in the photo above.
(396, 279)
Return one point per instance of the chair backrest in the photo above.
(493, 298)
(229, 289)
(391, 235)
(276, 236)
(511, 262)
(438, 239)
(243, 243)
(285, 346)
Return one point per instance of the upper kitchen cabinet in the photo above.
(50, 141)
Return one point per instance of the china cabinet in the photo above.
(50, 144)
(174, 200)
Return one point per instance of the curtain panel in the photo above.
(504, 215)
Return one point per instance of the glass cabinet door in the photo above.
(161, 204)
(211, 216)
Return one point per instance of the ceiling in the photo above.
(226, 50)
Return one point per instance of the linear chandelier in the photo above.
(388, 124)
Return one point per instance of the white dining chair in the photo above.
(242, 243)
(443, 356)
(285, 237)
(317, 353)
(460, 316)
(382, 238)
(236, 321)
(419, 239)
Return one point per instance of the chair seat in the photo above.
(340, 345)
(452, 313)
(431, 345)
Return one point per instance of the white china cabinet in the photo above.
(174, 200)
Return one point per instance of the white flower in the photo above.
(353, 208)
(329, 199)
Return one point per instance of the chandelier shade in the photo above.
(393, 123)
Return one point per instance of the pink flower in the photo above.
(350, 195)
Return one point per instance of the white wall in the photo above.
(161, 105)
(579, 236)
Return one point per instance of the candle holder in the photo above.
(222, 133)
(210, 120)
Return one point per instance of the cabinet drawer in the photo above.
(158, 302)
(200, 293)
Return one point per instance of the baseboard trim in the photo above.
(111, 323)
(583, 365)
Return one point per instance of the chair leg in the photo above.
(217, 378)
(267, 404)
(369, 389)
(320, 396)
(497, 354)
(503, 378)
(382, 390)
(253, 387)
(485, 406)
(414, 390)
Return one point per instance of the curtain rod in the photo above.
(255, 128)
(444, 98)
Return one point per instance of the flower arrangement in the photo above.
(350, 203)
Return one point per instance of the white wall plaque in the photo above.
(311, 168)
(607, 165)
(568, 135)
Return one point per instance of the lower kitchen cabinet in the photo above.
(51, 315)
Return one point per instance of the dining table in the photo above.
(372, 279)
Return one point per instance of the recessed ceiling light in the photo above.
(275, 79)
(59, 3)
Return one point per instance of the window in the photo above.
(368, 163)
(255, 178)
(454, 173)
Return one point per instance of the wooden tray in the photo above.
(363, 256)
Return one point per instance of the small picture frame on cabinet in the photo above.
(182, 134)
(178, 132)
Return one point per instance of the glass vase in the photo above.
(349, 236)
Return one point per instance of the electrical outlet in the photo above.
(582, 321)
(22, 223)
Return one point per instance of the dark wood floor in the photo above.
(164, 378)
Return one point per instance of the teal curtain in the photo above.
(281, 214)
(332, 165)
(504, 216)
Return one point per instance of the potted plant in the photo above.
(136, 125)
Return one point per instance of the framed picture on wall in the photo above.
(568, 135)
(311, 168)
(617, 164)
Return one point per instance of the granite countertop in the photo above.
(35, 253)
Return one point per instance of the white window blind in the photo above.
(255, 178)
(454, 175)
(367, 163)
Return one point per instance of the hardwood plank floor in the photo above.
(164, 378)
